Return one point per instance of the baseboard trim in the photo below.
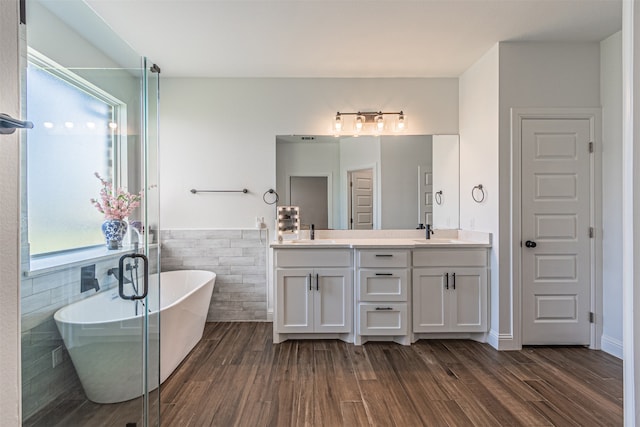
(502, 341)
(612, 346)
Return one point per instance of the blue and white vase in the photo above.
(114, 231)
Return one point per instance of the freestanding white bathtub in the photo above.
(104, 335)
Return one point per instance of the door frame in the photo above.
(377, 211)
(594, 115)
(13, 51)
(348, 181)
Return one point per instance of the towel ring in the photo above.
(479, 199)
(270, 191)
(438, 197)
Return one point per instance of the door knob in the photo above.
(530, 244)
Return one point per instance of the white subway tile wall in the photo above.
(238, 257)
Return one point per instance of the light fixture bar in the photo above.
(375, 118)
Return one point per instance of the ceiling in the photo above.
(344, 38)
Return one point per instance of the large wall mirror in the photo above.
(370, 182)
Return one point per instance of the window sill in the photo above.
(81, 257)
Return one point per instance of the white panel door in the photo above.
(294, 300)
(333, 300)
(556, 216)
(425, 194)
(361, 198)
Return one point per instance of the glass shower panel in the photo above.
(89, 356)
(151, 230)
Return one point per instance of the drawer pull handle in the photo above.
(446, 280)
(384, 255)
(317, 282)
(454, 281)
(310, 282)
(384, 274)
(384, 308)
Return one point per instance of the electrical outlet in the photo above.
(56, 356)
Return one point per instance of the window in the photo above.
(74, 136)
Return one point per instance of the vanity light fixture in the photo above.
(360, 120)
(401, 122)
(338, 123)
(369, 122)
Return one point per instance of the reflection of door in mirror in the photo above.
(425, 194)
(309, 193)
(360, 199)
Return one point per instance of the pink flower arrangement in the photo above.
(115, 204)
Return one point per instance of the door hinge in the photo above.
(592, 233)
(591, 147)
(592, 317)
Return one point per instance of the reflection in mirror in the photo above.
(370, 182)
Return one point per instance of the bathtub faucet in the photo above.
(115, 272)
(135, 237)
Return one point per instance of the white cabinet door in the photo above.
(294, 300)
(333, 300)
(430, 300)
(450, 299)
(468, 296)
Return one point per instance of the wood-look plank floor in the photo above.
(236, 376)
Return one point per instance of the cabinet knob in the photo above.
(530, 244)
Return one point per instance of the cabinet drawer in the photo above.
(382, 319)
(313, 258)
(383, 285)
(383, 258)
(450, 257)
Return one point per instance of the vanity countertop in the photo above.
(405, 240)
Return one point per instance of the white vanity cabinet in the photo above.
(382, 293)
(450, 290)
(314, 294)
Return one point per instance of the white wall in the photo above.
(400, 159)
(611, 99)
(220, 134)
(310, 159)
(512, 75)
(359, 153)
(630, 209)
(479, 160)
(446, 178)
(536, 75)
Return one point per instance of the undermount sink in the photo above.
(434, 240)
(309, 242)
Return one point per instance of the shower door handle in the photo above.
(8, 124)
(145, 291)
